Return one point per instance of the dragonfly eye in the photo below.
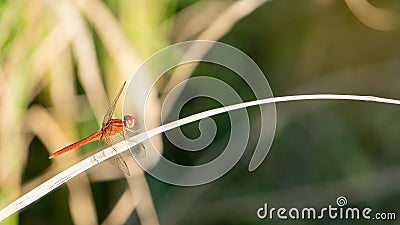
(129, 121)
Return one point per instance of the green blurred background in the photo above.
(60, 59)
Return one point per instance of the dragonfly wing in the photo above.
(111, 106)
(138, 151)
(117, 160)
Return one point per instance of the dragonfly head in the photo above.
(129, 121)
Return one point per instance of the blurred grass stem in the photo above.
(107, 153)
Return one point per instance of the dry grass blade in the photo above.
(122, 210)
(107, 153)
(41, 123)
(374, 17)
(16, 91)
(111, 35)
(145, 208)
(85, 53)
(217, 29)
(189, 23)
(127, 60)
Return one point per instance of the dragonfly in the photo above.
(110, 128)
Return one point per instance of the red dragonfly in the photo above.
(110, 127)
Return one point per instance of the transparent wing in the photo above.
(111, 106)
(117, 160)
(137, 151)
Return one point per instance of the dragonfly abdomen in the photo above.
(94, 137)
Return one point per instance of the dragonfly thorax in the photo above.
(129, 121)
